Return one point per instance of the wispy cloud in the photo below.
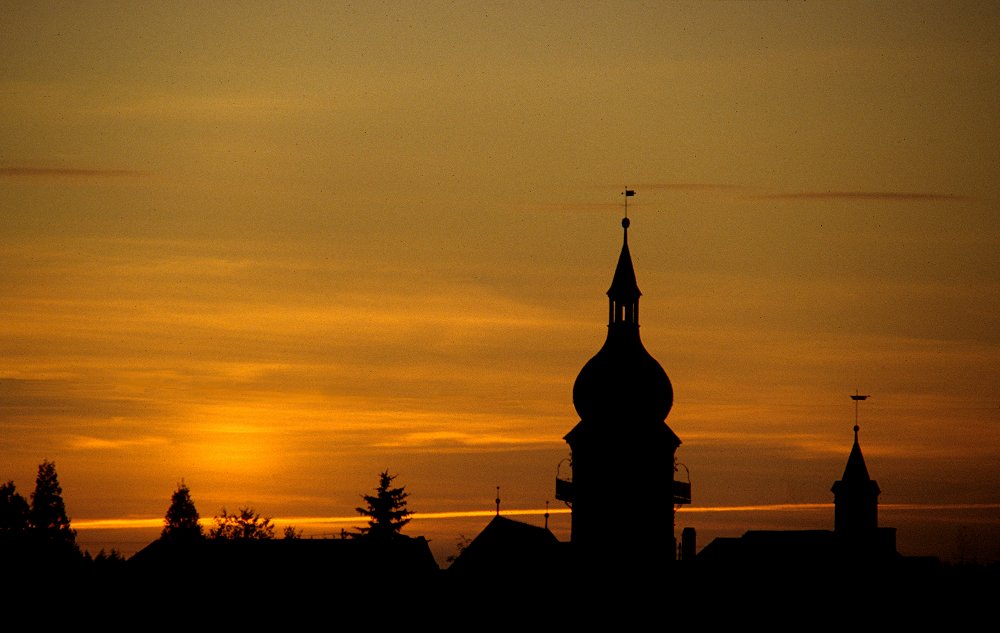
(794, 195)
(561, 207)
(685, 186)
(96, 443)
(32, 399)
(616, 203)
(443, 439)
(861, 195)
(68, 172)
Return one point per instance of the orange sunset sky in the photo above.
(275, 248)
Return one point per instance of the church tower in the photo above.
(855, 509)
(622, 451)
(855, 497)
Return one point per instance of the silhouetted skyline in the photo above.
(273, 252)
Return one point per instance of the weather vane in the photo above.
(857, 397)
(628, 193)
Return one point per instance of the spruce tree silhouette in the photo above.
(14, 527)
(181, 521)
(47, 514)
(386, 509)
(13, 512)
(51, 541)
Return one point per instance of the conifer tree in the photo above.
(386, 509)
(47, 515)
(13, 511)
(181, 520)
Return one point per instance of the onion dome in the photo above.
(623, 381)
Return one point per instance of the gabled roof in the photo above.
(506, 546)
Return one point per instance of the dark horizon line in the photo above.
(69, 172)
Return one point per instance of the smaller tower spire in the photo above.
(623, 295)
(498, 500)
(855, 495)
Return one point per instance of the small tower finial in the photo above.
(498, 500)
(628, 193)
(857, 397)
(546, 514)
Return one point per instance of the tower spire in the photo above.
(623, 295)
(855, 494)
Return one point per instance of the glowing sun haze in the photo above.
(276, 249)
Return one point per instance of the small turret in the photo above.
(855, 495)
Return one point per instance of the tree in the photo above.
(386, 509)
(14, 529)
(13, 511)
(47, 514)
(245, 525)
(181, 521)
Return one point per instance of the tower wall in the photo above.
(623, 511)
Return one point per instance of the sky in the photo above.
(271, 250)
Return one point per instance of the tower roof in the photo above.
(856, 470)
(623, 381)
(624, 288)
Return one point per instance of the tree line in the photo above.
(385, 510)
(38, 532)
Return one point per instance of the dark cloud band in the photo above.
(62, 172)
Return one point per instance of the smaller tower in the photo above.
(855, 495)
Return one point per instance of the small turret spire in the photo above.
(855, 494)
(623, 295)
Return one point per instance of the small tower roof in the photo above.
(624, 288)
(856, 470)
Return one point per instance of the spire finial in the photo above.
(546, 514)
(628, 193)
(857, 397)
(498, 500)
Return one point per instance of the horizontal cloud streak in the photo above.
(687, 186)
(87, 443)
(67, 172)
(861, 195)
